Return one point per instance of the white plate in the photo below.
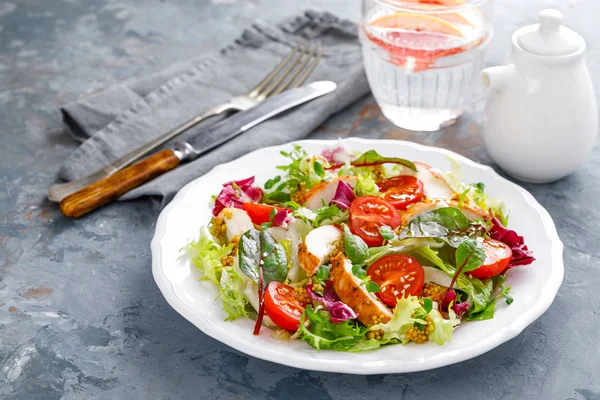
(534, 286)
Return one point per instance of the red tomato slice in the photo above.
(401, 191)
(259, 213)
(282, 307)
(368, 214)
(498, 258)
(398, 275)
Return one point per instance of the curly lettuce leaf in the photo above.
(365, 185)
(402, 320)
(231, 288)
(206, 254)
(443, 328)
(318, 331)
(475, 192)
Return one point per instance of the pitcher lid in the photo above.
(550, 37)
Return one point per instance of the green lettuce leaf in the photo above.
(321, 333)
(486, 313)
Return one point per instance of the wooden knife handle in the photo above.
(106, 190)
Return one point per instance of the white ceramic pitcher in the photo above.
(541, 119)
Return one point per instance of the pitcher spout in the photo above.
(498, 77)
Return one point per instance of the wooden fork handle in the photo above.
(114, 186)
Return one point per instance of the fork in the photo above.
(291, 72)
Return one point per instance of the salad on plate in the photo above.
(353, 251)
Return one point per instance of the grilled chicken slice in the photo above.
(318, 246)
(237, 222)
(324, 192)
(369, 308)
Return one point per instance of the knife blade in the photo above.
(200, 142)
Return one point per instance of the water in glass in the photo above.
(422, 57)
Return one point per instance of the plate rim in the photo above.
(550, 289)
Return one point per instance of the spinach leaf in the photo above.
(372, 158)
(263, 260)
(470, 255)
(355, 248)
(436, 223)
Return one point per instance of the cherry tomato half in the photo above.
(282, 307)
(498, 258)
(401, 191)
(368, 214)
(398, 275)
(259, 213)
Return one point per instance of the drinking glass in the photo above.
(422, 57)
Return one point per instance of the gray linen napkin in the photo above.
(118, 120)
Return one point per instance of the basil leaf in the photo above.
(324, 213)
(487, 313)
(386, 232)
(258, 251)
(272, 214)
(358, 272)
(292, 204)
(436, 223)
(372, 158)
(269, 184)
(470, 255)
(354, 247)
(319, 170)
(427, 305)
(276, 197)
(323, 273)
(372, 287)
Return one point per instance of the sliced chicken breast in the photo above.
(318, 246)
(369, 308)
(324, 192)
(237, 222)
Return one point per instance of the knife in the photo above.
(114, 186)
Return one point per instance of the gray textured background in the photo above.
(80, 316)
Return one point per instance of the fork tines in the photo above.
(291, 72)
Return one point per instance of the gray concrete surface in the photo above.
(80, 316)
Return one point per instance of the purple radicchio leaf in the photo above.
(450, 299)
(282, 218)
(460, 308)
(521, 255)
(338, 154)
(235, 193)
(344, 196)
(338, 310)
